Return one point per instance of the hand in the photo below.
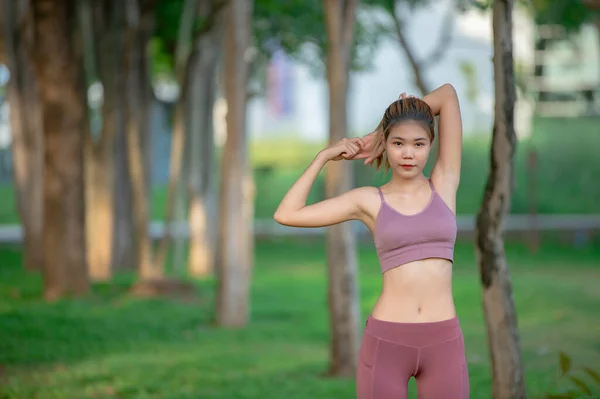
(344, 149)
(404, 95)
(373, 147)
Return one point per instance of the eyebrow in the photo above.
(400, 138)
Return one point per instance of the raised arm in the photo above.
(293, 211)
(446, 171)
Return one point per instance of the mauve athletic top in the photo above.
(400, 238)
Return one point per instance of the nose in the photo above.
(407, 153)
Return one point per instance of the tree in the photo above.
(341, 255)
(187, 47)
(26, 127)
(139, 25)
(59, 73)
(234, 256)
(102, 25)
(174, 205)
(203, 63)
(500, 315)
(398, 32)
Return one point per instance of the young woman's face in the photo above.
(407, 148)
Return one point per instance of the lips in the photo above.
(406, 166)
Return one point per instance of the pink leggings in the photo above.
(433, 352)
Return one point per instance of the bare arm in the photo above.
(446, 172)
(293, 211)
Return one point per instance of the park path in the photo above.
(12, 234)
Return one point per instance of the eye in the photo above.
(397, 143)
(420, 144)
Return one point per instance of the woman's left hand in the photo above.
(372, 147)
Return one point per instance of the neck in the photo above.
(408, 186)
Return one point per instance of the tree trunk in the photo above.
(501, 321)
(235, 263)
(108, 19)
(341, 255)
(26, 127)
(126, 248)
(135, 54)
(181, 133)
(417, 69)
(203, 64)
(124, 253)
(175, 203)
(59, 73)
(147, 23)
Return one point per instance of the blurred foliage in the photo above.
(469, 73)
(390, 7)
(578, 387)
(570, 14)
(162, 45)
(298, 28)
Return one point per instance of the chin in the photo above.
(407, 174)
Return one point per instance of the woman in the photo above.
(413, 329)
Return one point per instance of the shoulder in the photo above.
(367, 199)
(362, 195)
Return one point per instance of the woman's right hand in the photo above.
(346, 148)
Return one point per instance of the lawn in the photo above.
(111, 345)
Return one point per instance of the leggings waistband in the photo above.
(414, 334)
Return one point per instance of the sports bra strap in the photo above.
(380, 194)
(431, 185)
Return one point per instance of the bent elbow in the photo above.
(279, 218)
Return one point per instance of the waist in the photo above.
(416, 292)
(415, 334)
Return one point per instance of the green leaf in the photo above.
(565, 363)
(579, 382)
(592, 374)
(558, 396)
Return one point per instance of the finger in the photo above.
(355, 149)
(361, 143)
(352, 149)
(376, 153)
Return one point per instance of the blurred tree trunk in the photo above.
(203, 65)
(3, 56)
(501, 320)
(124, 254)
(148, 22)
(235, 259)
(59, 73)
(26, 127)
(417, 66)
(125, 250)
(175, 203)
(139, 22)
(341, 256)
(102, 25)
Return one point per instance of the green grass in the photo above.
(110, 345)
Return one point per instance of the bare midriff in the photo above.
(419, 291)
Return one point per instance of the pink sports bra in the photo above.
(400, 238)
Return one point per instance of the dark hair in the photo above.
(402, 110)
